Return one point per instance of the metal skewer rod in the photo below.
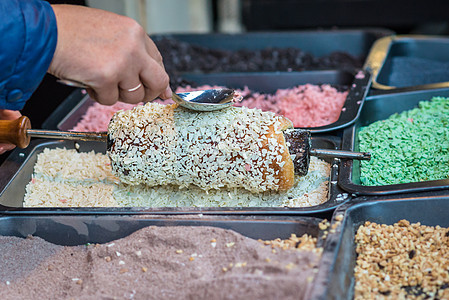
(340, 154)
(68, 135)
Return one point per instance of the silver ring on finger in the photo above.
(135, 88)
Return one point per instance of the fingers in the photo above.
(167, 93)
(155, 54)
(6, 147)
(153, 51)
(6, 114)
(113, 59)
(137, 77)
(105, 94)
(143, 79)
(151, 83)
(155, 80)
(132, 91)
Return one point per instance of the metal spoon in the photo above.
(206, 100)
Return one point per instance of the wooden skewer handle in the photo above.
(15, 131)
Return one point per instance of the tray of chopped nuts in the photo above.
(194, 257)
(395, 248)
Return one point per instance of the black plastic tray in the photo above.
(356, 42)
(409, 62)
(380, 107)
(335, 278)
(69, 113)
(16, 172)
(70, 230)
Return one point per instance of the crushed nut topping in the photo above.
(339, 217)
(305, 242)
(401, 261)
(240, 265)
(230, 244)
(323, 225)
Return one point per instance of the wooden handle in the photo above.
(15, 131)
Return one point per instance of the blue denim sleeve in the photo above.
(27, 44)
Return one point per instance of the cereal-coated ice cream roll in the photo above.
(237, 147)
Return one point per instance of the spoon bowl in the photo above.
(206, 100)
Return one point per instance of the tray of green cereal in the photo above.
(407, 135)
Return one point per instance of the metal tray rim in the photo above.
(287, 33)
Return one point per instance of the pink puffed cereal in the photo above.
(305, 105)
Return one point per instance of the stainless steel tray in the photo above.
(70, 112)
(335, 278)
(319, 43)
(17, 170)
(417, 53)
(376, 108)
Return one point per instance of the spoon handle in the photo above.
(73, 83)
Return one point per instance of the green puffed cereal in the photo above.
(408, 147)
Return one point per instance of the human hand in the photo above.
(110, 53)
(6, 114)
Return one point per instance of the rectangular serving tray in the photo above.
(16, 172)
(376, 108)
(417, 50)
(335, 277)
(70, 112)
(356, 42)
